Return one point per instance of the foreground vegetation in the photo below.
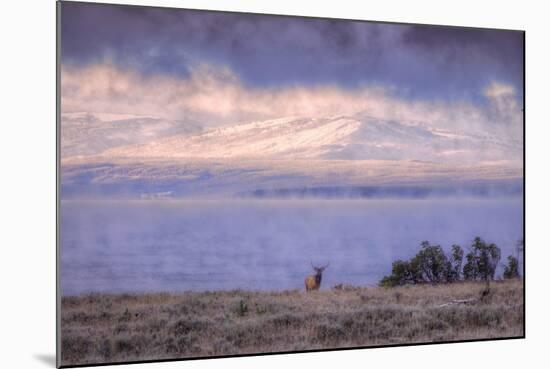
(99, 328)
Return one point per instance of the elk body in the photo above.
(313, 282)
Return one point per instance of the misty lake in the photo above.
(179, 245)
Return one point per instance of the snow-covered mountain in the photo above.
(84, 134)
(146, 157)
(357, 137)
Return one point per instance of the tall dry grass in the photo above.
(110, 328)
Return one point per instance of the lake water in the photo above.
(140, 246)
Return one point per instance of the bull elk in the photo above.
(313, 282)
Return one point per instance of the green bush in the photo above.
(455, 264)
(431, 265)
(481, 261)
(403, 272)
(243, 308)
(512, 269)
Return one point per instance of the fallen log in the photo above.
(458, 302)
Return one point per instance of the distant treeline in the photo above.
(432, 265)
(409, 192)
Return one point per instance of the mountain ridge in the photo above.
(358, 137)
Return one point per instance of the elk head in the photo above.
(313, 282)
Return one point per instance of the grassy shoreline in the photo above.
(129, 327)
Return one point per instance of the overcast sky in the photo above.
(217, 68)
(265, 51)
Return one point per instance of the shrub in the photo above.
(512, 269)
(481, 261)
(455, 264)
(429, 265)
(432, 263)
(403, 272)
(243, 308)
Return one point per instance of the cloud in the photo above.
(497, 90)
(264, 50)
(505, 108)
(215, 96)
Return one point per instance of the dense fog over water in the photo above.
(180, 245)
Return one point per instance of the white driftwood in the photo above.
(458, 302)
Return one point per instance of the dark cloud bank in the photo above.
(420, 61)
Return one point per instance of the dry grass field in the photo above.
(101, 327)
